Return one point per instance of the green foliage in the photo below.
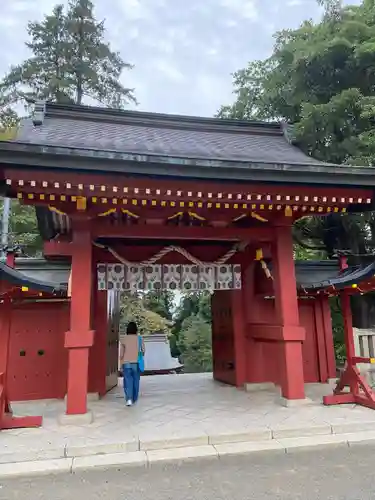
(191, 304)
(160, 303)
(194, 343)
(338, 329)
(23, 229)
(321, 79)
(191, 328)
(70, 61)
(133, 308)
(8, 119)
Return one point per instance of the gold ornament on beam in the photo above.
(108, 212)
(288, 211)
(174, 216)
(196, 216)
(256, 216)
(81, 203)
(56, 210)
(129, 213)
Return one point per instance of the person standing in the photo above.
(132, 360)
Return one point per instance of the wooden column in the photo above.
(290, 333)
(238, 318)
(98, 353)
(5, 325)
(80, 337)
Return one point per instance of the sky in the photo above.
(183, 51)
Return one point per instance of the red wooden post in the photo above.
(98, 354)
(11, 258)
(286, 302)
(80, 337)
(348, 336)
(239, 337)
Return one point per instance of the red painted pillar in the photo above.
(349, 336)
(254, 357)
(80, 337)
(98, 353)
(291, 334)
(11, 259)
(5, 330)
(239, 338)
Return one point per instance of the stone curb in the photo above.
(135, 445)
(151, 457)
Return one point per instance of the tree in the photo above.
(321, 79)
(132, 308)
(191, 304)
(70, 61)
(160, 303)
(195, 344)
(23, 229)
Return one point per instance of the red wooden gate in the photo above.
(310, 345)
(223, 338)
(112, 353)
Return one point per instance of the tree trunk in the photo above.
(79, 90)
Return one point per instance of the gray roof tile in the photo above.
(155, 134)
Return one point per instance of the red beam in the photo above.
(57, 248)
(103, 230)
(214, 215)
(184, 186)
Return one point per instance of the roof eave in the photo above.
(52, 157)
(17, 278)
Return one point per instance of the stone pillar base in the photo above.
(332, 381)
(293, 403)
(91, 396)
(82, 419)
(266, 386)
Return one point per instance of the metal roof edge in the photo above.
(52, 157)
(352, 275)
(17, 277)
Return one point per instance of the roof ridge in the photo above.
(157, 120)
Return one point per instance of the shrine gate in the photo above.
(142, 200)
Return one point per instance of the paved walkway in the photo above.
(179, 411)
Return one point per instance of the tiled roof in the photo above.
(98, 129)
(310, 275)
(35, 281)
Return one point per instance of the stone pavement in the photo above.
(331, 474)
(178, 417)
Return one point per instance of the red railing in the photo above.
(7, 420)
(359, 391)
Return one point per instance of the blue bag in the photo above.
(141, 362)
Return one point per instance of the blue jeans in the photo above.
(132, 377)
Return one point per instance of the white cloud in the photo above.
(133, 10)
(294, 3)
(168, 69)
(243, 8)
(183, 51)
